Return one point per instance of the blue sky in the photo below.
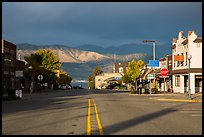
(100, 23)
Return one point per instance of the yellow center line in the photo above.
(89, 122)
(89, 118)
(98, 120)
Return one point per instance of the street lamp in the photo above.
(189, 89)
(31, 82)
(154, 53)
(153, 41)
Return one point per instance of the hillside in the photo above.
(65, 54)
(75, 61)
(131, 48)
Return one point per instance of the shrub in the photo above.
(154, 90)
(134, 91)
(10, 97)
(91, 85)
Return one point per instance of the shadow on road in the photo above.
(136, 121)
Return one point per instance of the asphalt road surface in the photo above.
(100, 112)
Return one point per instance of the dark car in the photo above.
(111, 86)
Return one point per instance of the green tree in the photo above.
(97, 71)
(49, 60)
(134, 70)
(63, 78)
(126, 78)
(35, 61)
(46, 63)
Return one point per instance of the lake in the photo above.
(82, 84)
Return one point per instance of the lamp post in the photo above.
(154, 53)
(31, 82)
(189, 89)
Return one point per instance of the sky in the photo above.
(98, 23)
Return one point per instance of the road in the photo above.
(82, 112)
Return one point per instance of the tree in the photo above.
(134, 70)
(35, 61)
(126, 78)
(97, 71)
(46, 63)
(49, 60)
(63, 78)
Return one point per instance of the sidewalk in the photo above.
(178, 97)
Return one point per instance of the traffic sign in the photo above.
(150, 76)
(117, 78)
(154, 63)
(40, 77)
(164, 72)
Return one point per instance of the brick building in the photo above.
(8, 67)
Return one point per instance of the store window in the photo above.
(186, 58)
(121, 70)
(177, 81)
(182, 61)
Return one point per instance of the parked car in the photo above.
(65, 86)
(111, 86)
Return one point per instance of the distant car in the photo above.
(65, 86)
(78, 87)
(111, 86)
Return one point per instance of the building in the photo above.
(165, 62)
(19, 71)
(8, 67)
(120, 67)
(103, 80)
(181, 48)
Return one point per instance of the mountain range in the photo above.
(132, 48)
(84, 58)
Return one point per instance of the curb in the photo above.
(180, 100)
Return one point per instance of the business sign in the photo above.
(19, 73)
(154, 63)
(150, 76)
(178, 58)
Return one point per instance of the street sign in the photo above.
(117, 78)
(19, 73)
(150, 76)
(19, 93)
(154, 63)
(40, 77)
(164, 72)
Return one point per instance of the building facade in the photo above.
(166, 85)
(103, 80)
(8, 67)
(120, 67)
(181, 48)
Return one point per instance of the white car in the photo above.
(65, 86)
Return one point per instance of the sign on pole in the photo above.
(150, 76)
(40, 77)
(19, 73)
(164, 72)
(154, 63)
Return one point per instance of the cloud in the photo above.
(102, 22)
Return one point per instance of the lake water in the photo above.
(82, 84)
